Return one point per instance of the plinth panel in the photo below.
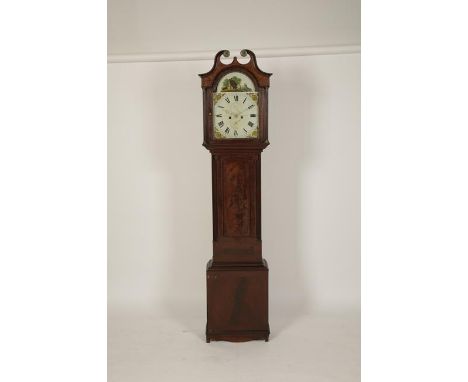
(237, 303)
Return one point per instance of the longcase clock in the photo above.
(235, 131)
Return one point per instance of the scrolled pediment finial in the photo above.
(251, 66)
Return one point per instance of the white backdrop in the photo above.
(159, 184)
(156, 26)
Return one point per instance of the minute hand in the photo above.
(243, 111)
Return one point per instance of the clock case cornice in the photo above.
(210, 81)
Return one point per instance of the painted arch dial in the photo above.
(235, 108)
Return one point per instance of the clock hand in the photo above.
(243, 111)
(236, 122)
(227, 111)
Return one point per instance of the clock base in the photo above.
(237, 302)
(239, 336)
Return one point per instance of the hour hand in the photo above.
(227, 111)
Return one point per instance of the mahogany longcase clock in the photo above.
(235, 131)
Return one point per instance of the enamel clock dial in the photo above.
(235, 107)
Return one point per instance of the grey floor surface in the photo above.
(318, 347)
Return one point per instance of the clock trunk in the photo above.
(236, 208)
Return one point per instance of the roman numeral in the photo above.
(250, 124)
(219, 115)
(244, 100)
(227, 99)
(222, 107)
(253, 115)
(221, 124)
(227, 130)
(236, 98)
(251, 106)
(246, 131)
(235, 133)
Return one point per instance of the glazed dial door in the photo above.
(235, 108)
